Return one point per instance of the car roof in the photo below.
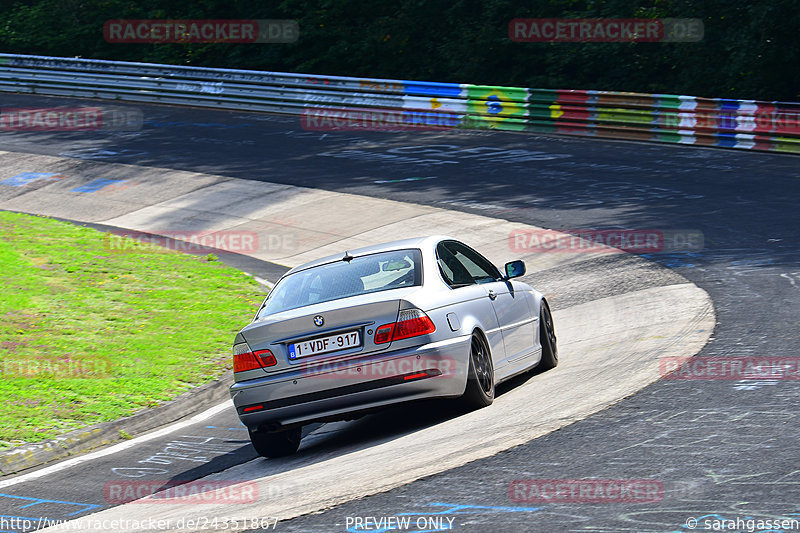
(423, 243)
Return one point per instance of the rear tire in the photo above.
(547, 337)
(480, 376)
(277, 444)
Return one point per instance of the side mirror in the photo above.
(515, 269)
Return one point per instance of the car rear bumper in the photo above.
(334, 391)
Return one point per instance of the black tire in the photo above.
(547, 336)
(276, 444)
(480, 378)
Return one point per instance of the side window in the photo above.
(451, 268)
(461, 265)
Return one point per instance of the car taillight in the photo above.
(244, 359)
(384, 334)
(410, 323)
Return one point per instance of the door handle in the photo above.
(492, 295)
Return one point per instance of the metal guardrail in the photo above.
(746, 124)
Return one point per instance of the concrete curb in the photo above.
(82, 440)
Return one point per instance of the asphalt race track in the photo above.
(719, 448)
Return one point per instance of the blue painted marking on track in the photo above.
(16, 516)
(36, 501)
(455, 508)
(20, 180)
(96, 185)
(677, 260)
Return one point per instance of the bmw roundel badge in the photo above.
(319, 321)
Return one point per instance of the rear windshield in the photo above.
(331, 281)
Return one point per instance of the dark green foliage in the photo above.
(750, 50)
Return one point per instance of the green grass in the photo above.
(91, 332)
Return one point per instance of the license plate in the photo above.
(321, 345)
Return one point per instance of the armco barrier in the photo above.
(746, 124)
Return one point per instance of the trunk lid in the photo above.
(297, 339)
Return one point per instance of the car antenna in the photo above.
(347, 257)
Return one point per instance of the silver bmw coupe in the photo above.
(419, 318)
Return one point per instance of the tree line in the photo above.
(750, 50)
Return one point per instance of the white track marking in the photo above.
(69, 463)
